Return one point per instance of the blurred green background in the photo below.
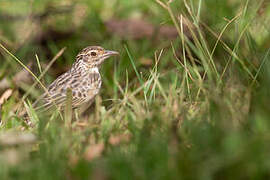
(187, 99)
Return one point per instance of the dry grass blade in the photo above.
(44, 72)
(230, 51)
(5, 96)
(223, 30)
(162, 4)
(24, 66)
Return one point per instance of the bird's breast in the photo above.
(91, 84)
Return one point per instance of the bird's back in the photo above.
(84, 86)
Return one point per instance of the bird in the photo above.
(83, 79)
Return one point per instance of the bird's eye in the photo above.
(93, 53)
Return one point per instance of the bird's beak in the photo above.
(109, 53)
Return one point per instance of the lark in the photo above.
(83, 79)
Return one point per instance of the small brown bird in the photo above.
(83, 79)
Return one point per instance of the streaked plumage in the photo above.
(83, 79)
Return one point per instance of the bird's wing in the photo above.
(83, 89)
(56, 94)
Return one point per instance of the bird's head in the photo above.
(94, 56)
